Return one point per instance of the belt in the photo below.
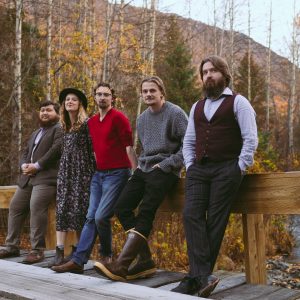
(204, 160)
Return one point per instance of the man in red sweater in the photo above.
(111, 136)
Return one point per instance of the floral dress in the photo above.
(77, 166)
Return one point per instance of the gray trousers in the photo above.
(34, 200)
(210, 190)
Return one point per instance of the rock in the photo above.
(226, 263)
(283, 274)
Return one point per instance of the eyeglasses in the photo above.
(102, 94)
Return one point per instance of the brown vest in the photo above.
(220, 138)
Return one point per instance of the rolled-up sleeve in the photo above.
(189, 141)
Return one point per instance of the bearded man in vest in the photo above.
(218, 146)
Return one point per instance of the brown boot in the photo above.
(105, 259)
(118, 269)
(70, 266)
(58, 258)
(69, 257)
(143, 266)
(9, 252)
(34, 256)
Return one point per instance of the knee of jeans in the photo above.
(102, 220)
(90, 220)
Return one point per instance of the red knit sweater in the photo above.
(110, 138)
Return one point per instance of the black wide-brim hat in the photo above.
(63, 94)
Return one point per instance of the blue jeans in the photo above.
(106, 187)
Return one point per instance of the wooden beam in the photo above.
(277, 193)
(6, 193)
(254, 243)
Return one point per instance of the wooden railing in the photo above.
(259, 194)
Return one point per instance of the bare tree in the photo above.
(291, 103)
(59, 44)
(249, 52)
(231, 43)
(49, 44)
(108, 25)
(215, 30)
(145, 53)
(223, 28)
(152, 35)
(268, 77)
(18, 75)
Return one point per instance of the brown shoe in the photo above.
(6, 252)
(34, 256)
(208, 286)
(70, 266)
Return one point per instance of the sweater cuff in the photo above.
(165, 166)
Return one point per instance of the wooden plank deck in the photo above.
(19, 281)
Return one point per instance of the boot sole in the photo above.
(102, 270)
(208, 289)
(68, 271)
(144, 274)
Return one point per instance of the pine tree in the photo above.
(173, 65)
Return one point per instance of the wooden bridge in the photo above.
(277, 193)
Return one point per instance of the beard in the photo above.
(49, 122)
(214, 88)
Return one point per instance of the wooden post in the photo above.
(51, 231)
(254, 241)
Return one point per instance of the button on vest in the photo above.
(220, 138)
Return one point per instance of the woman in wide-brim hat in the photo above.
(77, 165)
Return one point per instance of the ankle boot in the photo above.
(58, 259)
(69, 257)
(143, 266)
(118, 269)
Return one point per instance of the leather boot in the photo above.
(69, 257)
(58, 259)
(143, 266)
(118, 269)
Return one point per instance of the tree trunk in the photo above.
(268, 79)
(215, 30)
(108, 24)
(59, 47)
(231, 21)
(18, 64)
(249, 52)
(17, 103)
(152, 35)
(293, 95)
(49, 44)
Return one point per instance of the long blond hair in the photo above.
(65, 118)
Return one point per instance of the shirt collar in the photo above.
(227, 92)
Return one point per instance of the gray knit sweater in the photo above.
(161, 135)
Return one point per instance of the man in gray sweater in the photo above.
(161, 128)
